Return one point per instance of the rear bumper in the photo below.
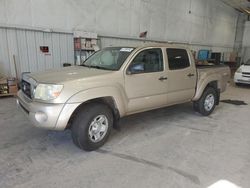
(45, 115)
(238, 78)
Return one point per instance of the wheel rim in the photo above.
(209, 102)
(98, 128)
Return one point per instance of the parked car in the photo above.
(242, 75)
(116, 82)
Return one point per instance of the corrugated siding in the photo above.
(246, 54)
(4, 58)
(25, 45)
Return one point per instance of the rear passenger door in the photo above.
(181, 76)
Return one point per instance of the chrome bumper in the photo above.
(239, 78)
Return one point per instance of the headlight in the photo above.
(47, 91)
(239, 70)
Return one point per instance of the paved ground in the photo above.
(170, 147)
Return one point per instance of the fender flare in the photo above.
(76, 100)
(203, 83)
(118, 96)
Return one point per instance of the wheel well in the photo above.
(109, 101)
(213, 84)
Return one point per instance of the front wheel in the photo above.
(206, 104)
(91, 126)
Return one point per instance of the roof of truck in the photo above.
(160, 45)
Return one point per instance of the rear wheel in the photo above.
(91, 126)
(206, 104)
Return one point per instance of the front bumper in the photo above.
(239, 78)
(46, 115)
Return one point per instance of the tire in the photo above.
(238, 84)
(195, 107)
(206, 104)
(87, 134)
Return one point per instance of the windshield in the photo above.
(248, 62)
(110, 58)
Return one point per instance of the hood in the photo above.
(56, 76)
(245, 68)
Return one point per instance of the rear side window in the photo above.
(177, 59)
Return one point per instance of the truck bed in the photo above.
(221, 73)
(210, 66)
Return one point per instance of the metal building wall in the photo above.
(246, 42)
(202, 24)
(25, 45)
(192, 21)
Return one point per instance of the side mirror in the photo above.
(135, 69)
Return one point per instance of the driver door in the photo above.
(146, 81)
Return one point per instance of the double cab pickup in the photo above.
(115, 82)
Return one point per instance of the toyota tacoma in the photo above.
(116, 82)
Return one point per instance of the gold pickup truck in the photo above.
(116, 82)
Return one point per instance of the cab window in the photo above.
(177, 59)
(147, 61)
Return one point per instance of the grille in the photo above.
(246, 73)
(26, 88)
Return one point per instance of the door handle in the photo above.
(163, 78)
(190, 75)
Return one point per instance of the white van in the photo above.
(242, 75)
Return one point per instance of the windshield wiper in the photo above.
(95, 67)
(98, 67)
